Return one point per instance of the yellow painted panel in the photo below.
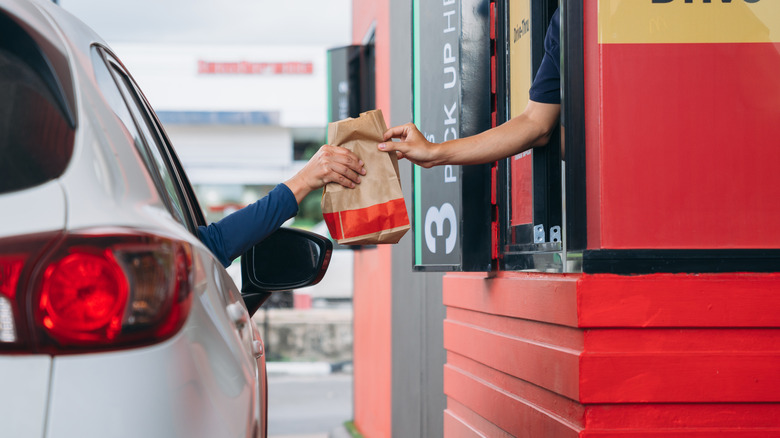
(519, 55)
(689, 21)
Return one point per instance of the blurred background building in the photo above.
(242, 118)
(241, 88)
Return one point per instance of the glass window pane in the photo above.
(142, 137)
(155, 148)
(36, 141)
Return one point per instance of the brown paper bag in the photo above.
(374, 211)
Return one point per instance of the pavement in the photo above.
(306, 371)
(316, 435)
(298, 368)
(340, 432)
(307, 368)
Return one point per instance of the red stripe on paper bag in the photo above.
(353, 223)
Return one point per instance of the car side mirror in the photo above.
(287, 259)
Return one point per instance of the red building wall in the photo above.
(372, 342)
(687, 102)
(372, 302)
(681, 154)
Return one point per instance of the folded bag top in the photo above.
(374, 212)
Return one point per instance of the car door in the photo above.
(172, 182)
(173, 185)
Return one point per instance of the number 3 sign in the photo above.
(438, 216)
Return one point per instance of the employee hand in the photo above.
(329, 164)
(413, 145)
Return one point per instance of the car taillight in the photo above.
(10, 271)
(95, 290)
(18, 256)
(83, 297)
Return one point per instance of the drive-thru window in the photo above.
(511, 215)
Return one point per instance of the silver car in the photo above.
(115, 320)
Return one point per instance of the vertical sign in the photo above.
(343, 86)
(519, 84)
(451, 99)
(519, 54)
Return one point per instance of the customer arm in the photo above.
(234, 234)
(329, 164)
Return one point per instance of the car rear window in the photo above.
(36, 141)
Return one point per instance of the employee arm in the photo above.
(530, 129)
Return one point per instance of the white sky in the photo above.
(278, 22)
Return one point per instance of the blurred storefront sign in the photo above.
(256, 68)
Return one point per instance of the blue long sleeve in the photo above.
(236, 233)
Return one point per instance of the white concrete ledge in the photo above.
(299, 368)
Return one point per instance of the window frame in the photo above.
(558, 185)
(190, 210)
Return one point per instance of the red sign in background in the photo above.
(256, 68)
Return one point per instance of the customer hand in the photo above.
(329, 164)
(413, 145)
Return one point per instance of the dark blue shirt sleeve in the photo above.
(234, 234)
(546, 87)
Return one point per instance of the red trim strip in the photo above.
(353, 223)
(334, 225)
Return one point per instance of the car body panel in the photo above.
(197, 384)
(45, 203)
(27, 375)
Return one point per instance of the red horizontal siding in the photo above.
(683, 432)
(637, 360)
(513, 413)
(689, 340)
(457, 412)
(548, 365)
(679, 377)
(455, 427)
(667, 300)
(701, 416)
(541, 297)
(533, 332)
